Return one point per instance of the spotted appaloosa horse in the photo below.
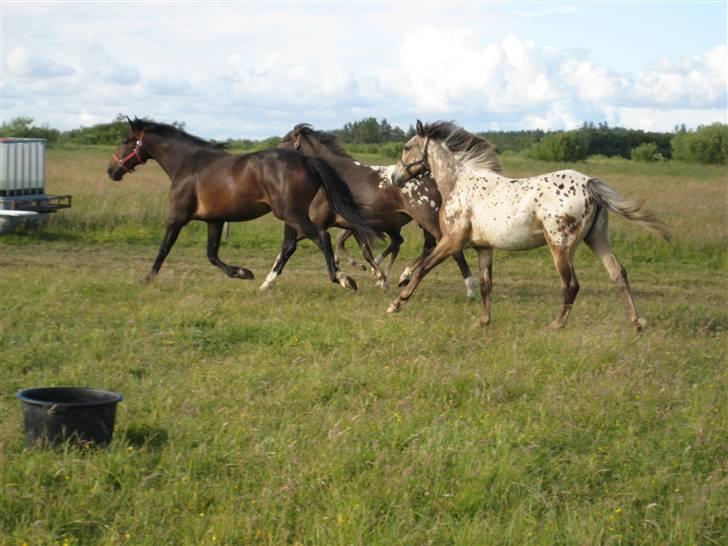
(387, 208)
(485, 210)
(213, 186)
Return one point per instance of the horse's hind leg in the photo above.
(485, 259)
(322, 239)
(598, 240)
(214, 234)
(563, 261)
(170, 236)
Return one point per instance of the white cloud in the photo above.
(24, 63)
(662, 119)
(292, 81)
(696, 82)
(454, 73)
(479, 64)
(593, 83)
(558, 116)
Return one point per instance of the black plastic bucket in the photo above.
(81, 415)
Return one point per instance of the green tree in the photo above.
(566, 146)
(647, 151)
(22, 127)
(708, 144)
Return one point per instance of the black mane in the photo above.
(166, 130)
(327, 139)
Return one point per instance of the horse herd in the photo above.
(448, 180)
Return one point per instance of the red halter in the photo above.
(134, 153)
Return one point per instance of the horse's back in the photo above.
(247, 186)
(520, 214)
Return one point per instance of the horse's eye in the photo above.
(407, 148)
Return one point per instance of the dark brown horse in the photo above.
(388, 208)
(213, 186)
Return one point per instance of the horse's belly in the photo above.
(230, 211)
(506, 229)
(517, 236)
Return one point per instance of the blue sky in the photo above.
(247, 69)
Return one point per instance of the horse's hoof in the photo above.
(394, 307)
(382, 283)
(150, 278)
(484, 321)
(639, 324)
(403, 282)
(348, 282)
(556, 325)
(267, 286)
(471, 285)
(242, 273)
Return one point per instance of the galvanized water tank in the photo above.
(22, 166)
(23, 200)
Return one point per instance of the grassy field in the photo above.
(308, 416)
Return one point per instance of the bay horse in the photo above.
(485, 210)
(388, 208)
(213, 186)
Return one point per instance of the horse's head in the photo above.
(414, 161)
(131, 152)
(298, 139)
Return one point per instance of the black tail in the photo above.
(340, 198)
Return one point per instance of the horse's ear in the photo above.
(420, 128)
(136, 124)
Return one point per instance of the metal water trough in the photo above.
(23, 200)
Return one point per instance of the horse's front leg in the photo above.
(214, 234)
(369, 258)
(471, 284)
(443, 249)
(427, 246)
(288, 247)
(342, 251)
(170, 236)
(397, 240)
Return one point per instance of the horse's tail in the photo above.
(340, 198)
(631, 209)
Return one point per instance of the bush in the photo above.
(22, 127)
(647, 151)
(709, 144)
(567, 146)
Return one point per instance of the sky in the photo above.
(253, 69)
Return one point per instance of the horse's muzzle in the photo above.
(396, 178)
(115, 173)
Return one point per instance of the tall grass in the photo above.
(307, 416)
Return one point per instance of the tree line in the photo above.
(706, 144)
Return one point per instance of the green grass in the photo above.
(309, 416)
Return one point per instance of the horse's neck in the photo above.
(349, 169)
(171, 154)
(445, 170)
